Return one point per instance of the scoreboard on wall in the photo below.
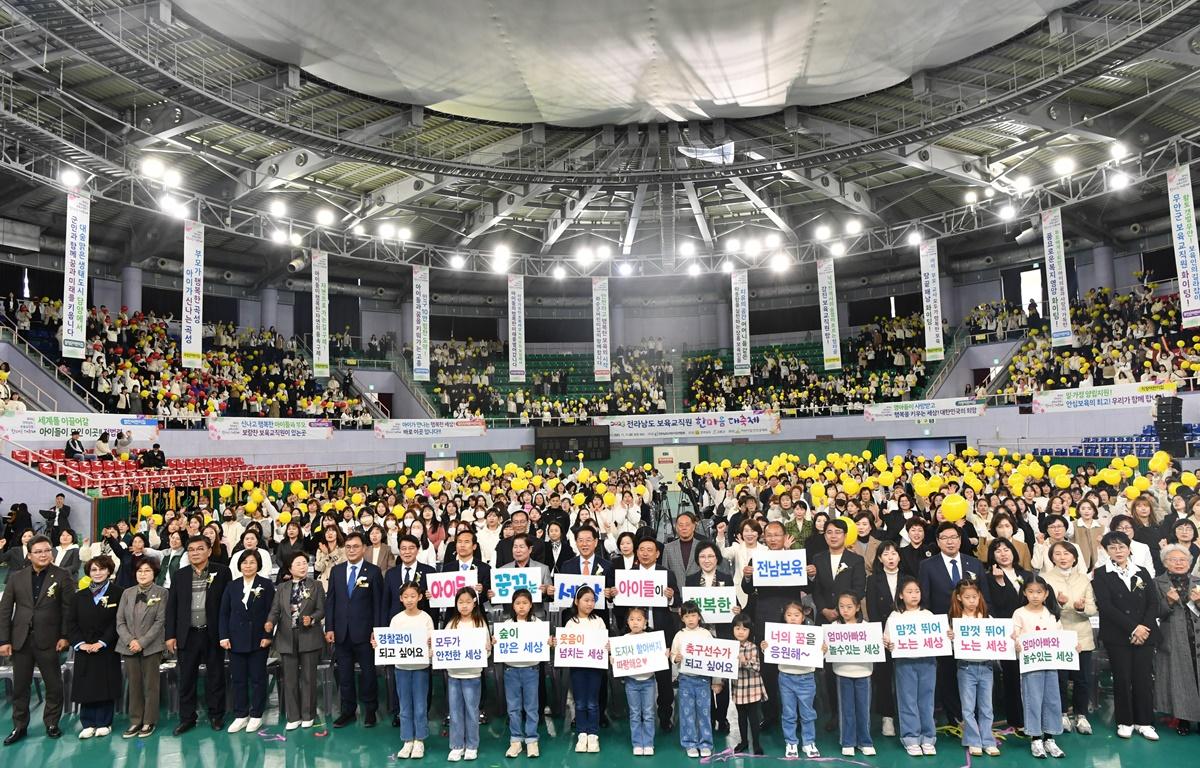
(567, 442)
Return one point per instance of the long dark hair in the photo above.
(477, 617)
(1050, 603)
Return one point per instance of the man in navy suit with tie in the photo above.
(406, 570)
(938, 576)
(353, 608)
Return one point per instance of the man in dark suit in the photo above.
(192, 626)
(34, 615)
(406, 570)
(465, 558)
(57, 517)
(520, 524)
(832, 572)
(353, 608)
(938, 576)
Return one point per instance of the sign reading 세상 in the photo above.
(506, 582)
(921, 637)
(638, 654)
(711, 657)
(400, 646)
(521, 641)
(442, 587)
(855, 643)
(565, 585)
(429, 428)
(983, 639)
(915, 410)
(716, 603)
(237, 428)
(580, 648)
(459, 648)
(780, 568)
(795, 645)
(1048, 650)
(645, 588)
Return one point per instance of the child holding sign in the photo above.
(854, 689)
(585, 682)
(412, 677)
(695, 700)
(639, 692)
(748, 689)
(464, 685)
(797, 689)
(974, 677)
(521, 680)
(1043, 704)
(915, 678)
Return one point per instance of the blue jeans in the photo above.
(464, 711)
(521, 695)
(975, 692)
(1043, 705)
(796, 694)
(412, 690)
(694, 712)
(640, 694)
(585, 689)
(915, 683)
(854, 704)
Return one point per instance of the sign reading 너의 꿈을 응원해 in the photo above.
(795, 645)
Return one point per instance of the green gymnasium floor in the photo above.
(358, 746)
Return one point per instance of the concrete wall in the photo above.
(381, 324)
(106, 293)
(980, 356)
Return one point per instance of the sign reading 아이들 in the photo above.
(638, 654)
(780, 568)
(400, 646)
(983, 639)
(506, 582)
(429, 428)
(913, 410)
(57, 427)
(1139, 395)
(854, 643)
(710, 658)
(580, 648)
(716, 603)
(565, 585)
(459, 648)
(237, 428)
(921, 637)
(668, 425)
(1048, 650)
(442, 587)
(644, 588)
(521, 641)
(795, 645)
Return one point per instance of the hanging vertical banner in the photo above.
(420, 323)
(1183, 236)
(740, 289)
(931, 293)
(75, 279)
(601, 341)
(831, 339)
(516, 329)
(1056, 279)
(320, 313)
(192, 323)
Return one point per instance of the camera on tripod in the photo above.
(685, 467)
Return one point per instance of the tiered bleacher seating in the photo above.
(1143, 445)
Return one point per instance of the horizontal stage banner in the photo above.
(911, 410)
(223, 428)
(732, 424)
(1113, 396)
(401, 428)
(47, 425)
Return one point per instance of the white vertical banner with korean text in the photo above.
(192, 322)
(75, 276)
(601, 339)
(931, 295)
(740, 290)
(1058, 303)
(516, 329)
(831, 339)
(320, 313)
(1183, 237)
(420, 323)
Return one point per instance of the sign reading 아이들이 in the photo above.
(400, 646)
(30, 426)
(519, 641)
(713, 657)
(580, 648)
(442, 587)
(780, 568)
(918, 638)
(638, 654)
(716, 603)
(796, 645)
(644, 588)
(858, 643)
(983, 639)
(459, 648)
(1048, 650)
(506, 582)
(565, 585)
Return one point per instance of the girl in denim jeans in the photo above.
(694, 705)
(464, 686)
(974, 677)
(916, 679)
(797, 690)
(521, 680)
(640, 691)
(854, 689)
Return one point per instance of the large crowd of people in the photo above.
(299, 572)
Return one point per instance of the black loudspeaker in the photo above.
(1168, 423)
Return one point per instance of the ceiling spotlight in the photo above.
(70, 178)
(727, 266)
(1118, 150)
(837, 248)
(1118, 180)
(153, 168)
(626, 269)
(457, 261)
(167, 204)
(603, 252)
(914, 238)
(404, 233)
(694, 269)
(360, 230)
(172, 178)
(585, 256)
(687, 249)
(971, 198)
(279, 236)
(753, 248)
(779, 262)
(1021, 184)
(1064, 166)
(295, 239)
(181, 210)
(823, 232)
(733, 245)
(278, 208)
(387, 231)
(773, 240)
(503, 251)
(324, 217)
(1007, 213)
(501, 257)
(989, 193)
(558, 272)
(853, 226)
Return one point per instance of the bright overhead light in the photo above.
(970, 197)
(585, 256)
(295, 239)
(501, 256)
(603, 252)
(779, 263)
(733, 245)
(773, 240)
(457, 261)
(278, 208)
(359, 229)
(167, 203)
(989, 193)
(172, 178)
(387, 231)
(502, 250)
(823, 232)
(153, 168)
(558, 272)
(1064, 166)
(70, 178)
(1021, 184)
(753, 248)
(837, 248)
(324, 217)
(404, 233)
(853, 226)
(914, 238)
(626, 269)
(1118, 180)
(687, 249)
(727, 266)
(1007, 213)
(1118, 150)
(694, 269)
(279, 236)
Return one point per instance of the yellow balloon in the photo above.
(610, 498)
(247, 485)
(601, 488)
(851, 530)
(225, 491)
(398, 510)
(1131, 461)
(156, 519)
(251, 506)
(1141, 482)
(851, 486)
(85, 582)
(1131, 493)
(485, 487)
(409, 493)
(954, 507)
(285, 517)
(1062, 481)
(577, 499)
(1188, 479)
(647, 467)
(339, 505)
(391, 483)
(277, 486)
(146, 510)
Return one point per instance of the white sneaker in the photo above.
(1082, 726)
(532, 750)
(418, 750)
(454, 756)
(1067, 724)
(1148, 732)
(593, 743)
(292, 725)
(648, 752)
(706, 753)
(405, 751)
(811, 751)
(581, 743)
(514, 749)
(237, 725)
(1125, 731)
(847, 751)
(471, 754)
(638, 752)
(87, 733)
(104, 730)
(928, 749)
(253, 724)
(693, 752)
(913, 750)
(1053, 749)
(306, 723)
(888, 727)
(791, 750)
(1037, 749)
(868, 751)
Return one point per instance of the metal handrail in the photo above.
(47, 364)
(959, 342)
(25, 386)
(400, 367)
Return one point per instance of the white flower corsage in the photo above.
(104, 601)
(256, 592)
(362, 581)
(1136, 583)
(304, 594)
(841, 567)
(53, 588)
(152, 600)
(211, 576)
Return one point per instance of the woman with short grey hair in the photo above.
(1177, 663)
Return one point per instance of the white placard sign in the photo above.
(442, 587)
(793, 645)
(854, 643)
(429, 428)
(32, 426)
(779, 567)
(516, 329)
(917, 638)
(1061, 333)
(420, 323)
(521, 641)
(716, 603)
(191, 323)
(983, 639)
(574, 647)
(320, 313)
(75, 276)
(1183, 238)
(459, 648)
(713, 657)
(638, 654)
(644, 588)
(247, 428)
(931, 296)
(740, 291)
(1139, 395)
(713, 424)
(1038, 651)
(565, 585)
(910, 410)
(601, 339)
(506, 582)
(401, 646)
(831, 338)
